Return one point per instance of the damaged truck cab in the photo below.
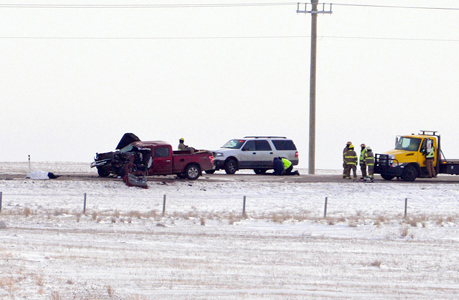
(152, 158)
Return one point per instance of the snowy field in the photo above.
(203, 247)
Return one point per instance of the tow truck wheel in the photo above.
(387, 177)
(192, 172)
(103, 172)
(231, 166)
(410, 173)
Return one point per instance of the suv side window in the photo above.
(262, 145)
(161, 152)
(284, 144)
(249, 146)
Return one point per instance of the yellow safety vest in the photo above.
(287, 163)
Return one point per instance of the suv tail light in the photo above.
(296, 154)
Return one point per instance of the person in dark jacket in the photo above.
(278, 166)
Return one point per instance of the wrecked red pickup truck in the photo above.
(152, 158)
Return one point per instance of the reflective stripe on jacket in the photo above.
(350, 157)
(362, 155)
(369, 158)
(431, 154)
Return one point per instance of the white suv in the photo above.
(254, 152)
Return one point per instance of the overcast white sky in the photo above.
(75, 79)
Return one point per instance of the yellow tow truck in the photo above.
(407, 160)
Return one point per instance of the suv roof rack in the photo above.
(264, 137)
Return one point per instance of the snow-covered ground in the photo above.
(123, 247)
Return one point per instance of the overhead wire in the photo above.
(210, 5)
(203, 5)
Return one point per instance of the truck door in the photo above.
(162, 161)
(430, 144)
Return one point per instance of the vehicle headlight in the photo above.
(218, 154)
(391, 156)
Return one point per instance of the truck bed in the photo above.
(449, 166)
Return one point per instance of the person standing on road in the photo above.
(344, 160)
(370, 162)
(363, 165)
(430, 156)
(350, 159)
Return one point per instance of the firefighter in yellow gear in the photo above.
(362, 162)
(344, 161)
(370, 162)
(350, 159)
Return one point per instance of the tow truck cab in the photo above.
(407, 160)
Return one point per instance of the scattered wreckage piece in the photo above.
(41, 175)
(147, 158)
(138, 181)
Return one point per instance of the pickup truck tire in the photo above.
(103, 172)
(231, 166)
(410, 173)
(387, 177)
(192, 172)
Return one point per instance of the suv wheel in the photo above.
(231, 166)
(260, 171)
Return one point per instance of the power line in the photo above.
(192, 5)
(210, 5)
(397, 6)
(225, 38)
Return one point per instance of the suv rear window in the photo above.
(262, 145)
(284, 144)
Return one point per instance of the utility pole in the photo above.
(312, 81)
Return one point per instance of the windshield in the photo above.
(234, 144)
(408, 144)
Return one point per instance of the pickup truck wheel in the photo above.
(192, 172)
(410, 173)
(103, 172)
(260, 171)
(231, 166)
(387, 177)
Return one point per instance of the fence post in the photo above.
(1, 196)
(243, 207)
(406, 206)
(164, 205)
(84, 204)
(325, 207)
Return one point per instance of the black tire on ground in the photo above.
(210, 171)
(231, 166)
(387, 177)
(410, 173)
(260, 171)
(192, 172)
(103, 172)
